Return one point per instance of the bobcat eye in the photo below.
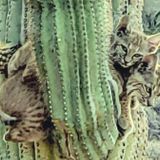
(124, 48)
(137, 56)
(152, 49)
(119, 33)
(149, 90)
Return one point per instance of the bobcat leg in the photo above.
(125, 121)
(128, 132)
(7, 118)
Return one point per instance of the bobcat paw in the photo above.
(124, 133)
(10, 122)
(125, 128)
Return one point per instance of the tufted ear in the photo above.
(153, 42)
(122, 25)
(151, 61)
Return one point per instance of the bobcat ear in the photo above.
(153, 42)
(123, 23)
(151, 60)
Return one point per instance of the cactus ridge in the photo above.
(52, 59)
(85, 91)
(13, 20)
(94, 78)
(104, 72)
(3, 15)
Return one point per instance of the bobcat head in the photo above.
(130, 46)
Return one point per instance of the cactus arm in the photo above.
(134, 9)
(13, 20)
(58, 51)
(98, 100)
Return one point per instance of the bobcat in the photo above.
(138, 92)
(132, 63)
(22, 106)
(128, 49)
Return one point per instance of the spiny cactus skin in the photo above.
(76, 73)
(133, 8)
(13, 21)
(134, 147)
(3, 16)
(71, 39)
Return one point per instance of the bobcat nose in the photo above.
(7, 137)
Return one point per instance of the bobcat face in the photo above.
(129, 47)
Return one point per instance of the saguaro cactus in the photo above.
(71, 40)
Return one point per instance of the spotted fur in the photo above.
(21, 98)
(132, 63)
(137, 92)
(128, 49)
(6, 52)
